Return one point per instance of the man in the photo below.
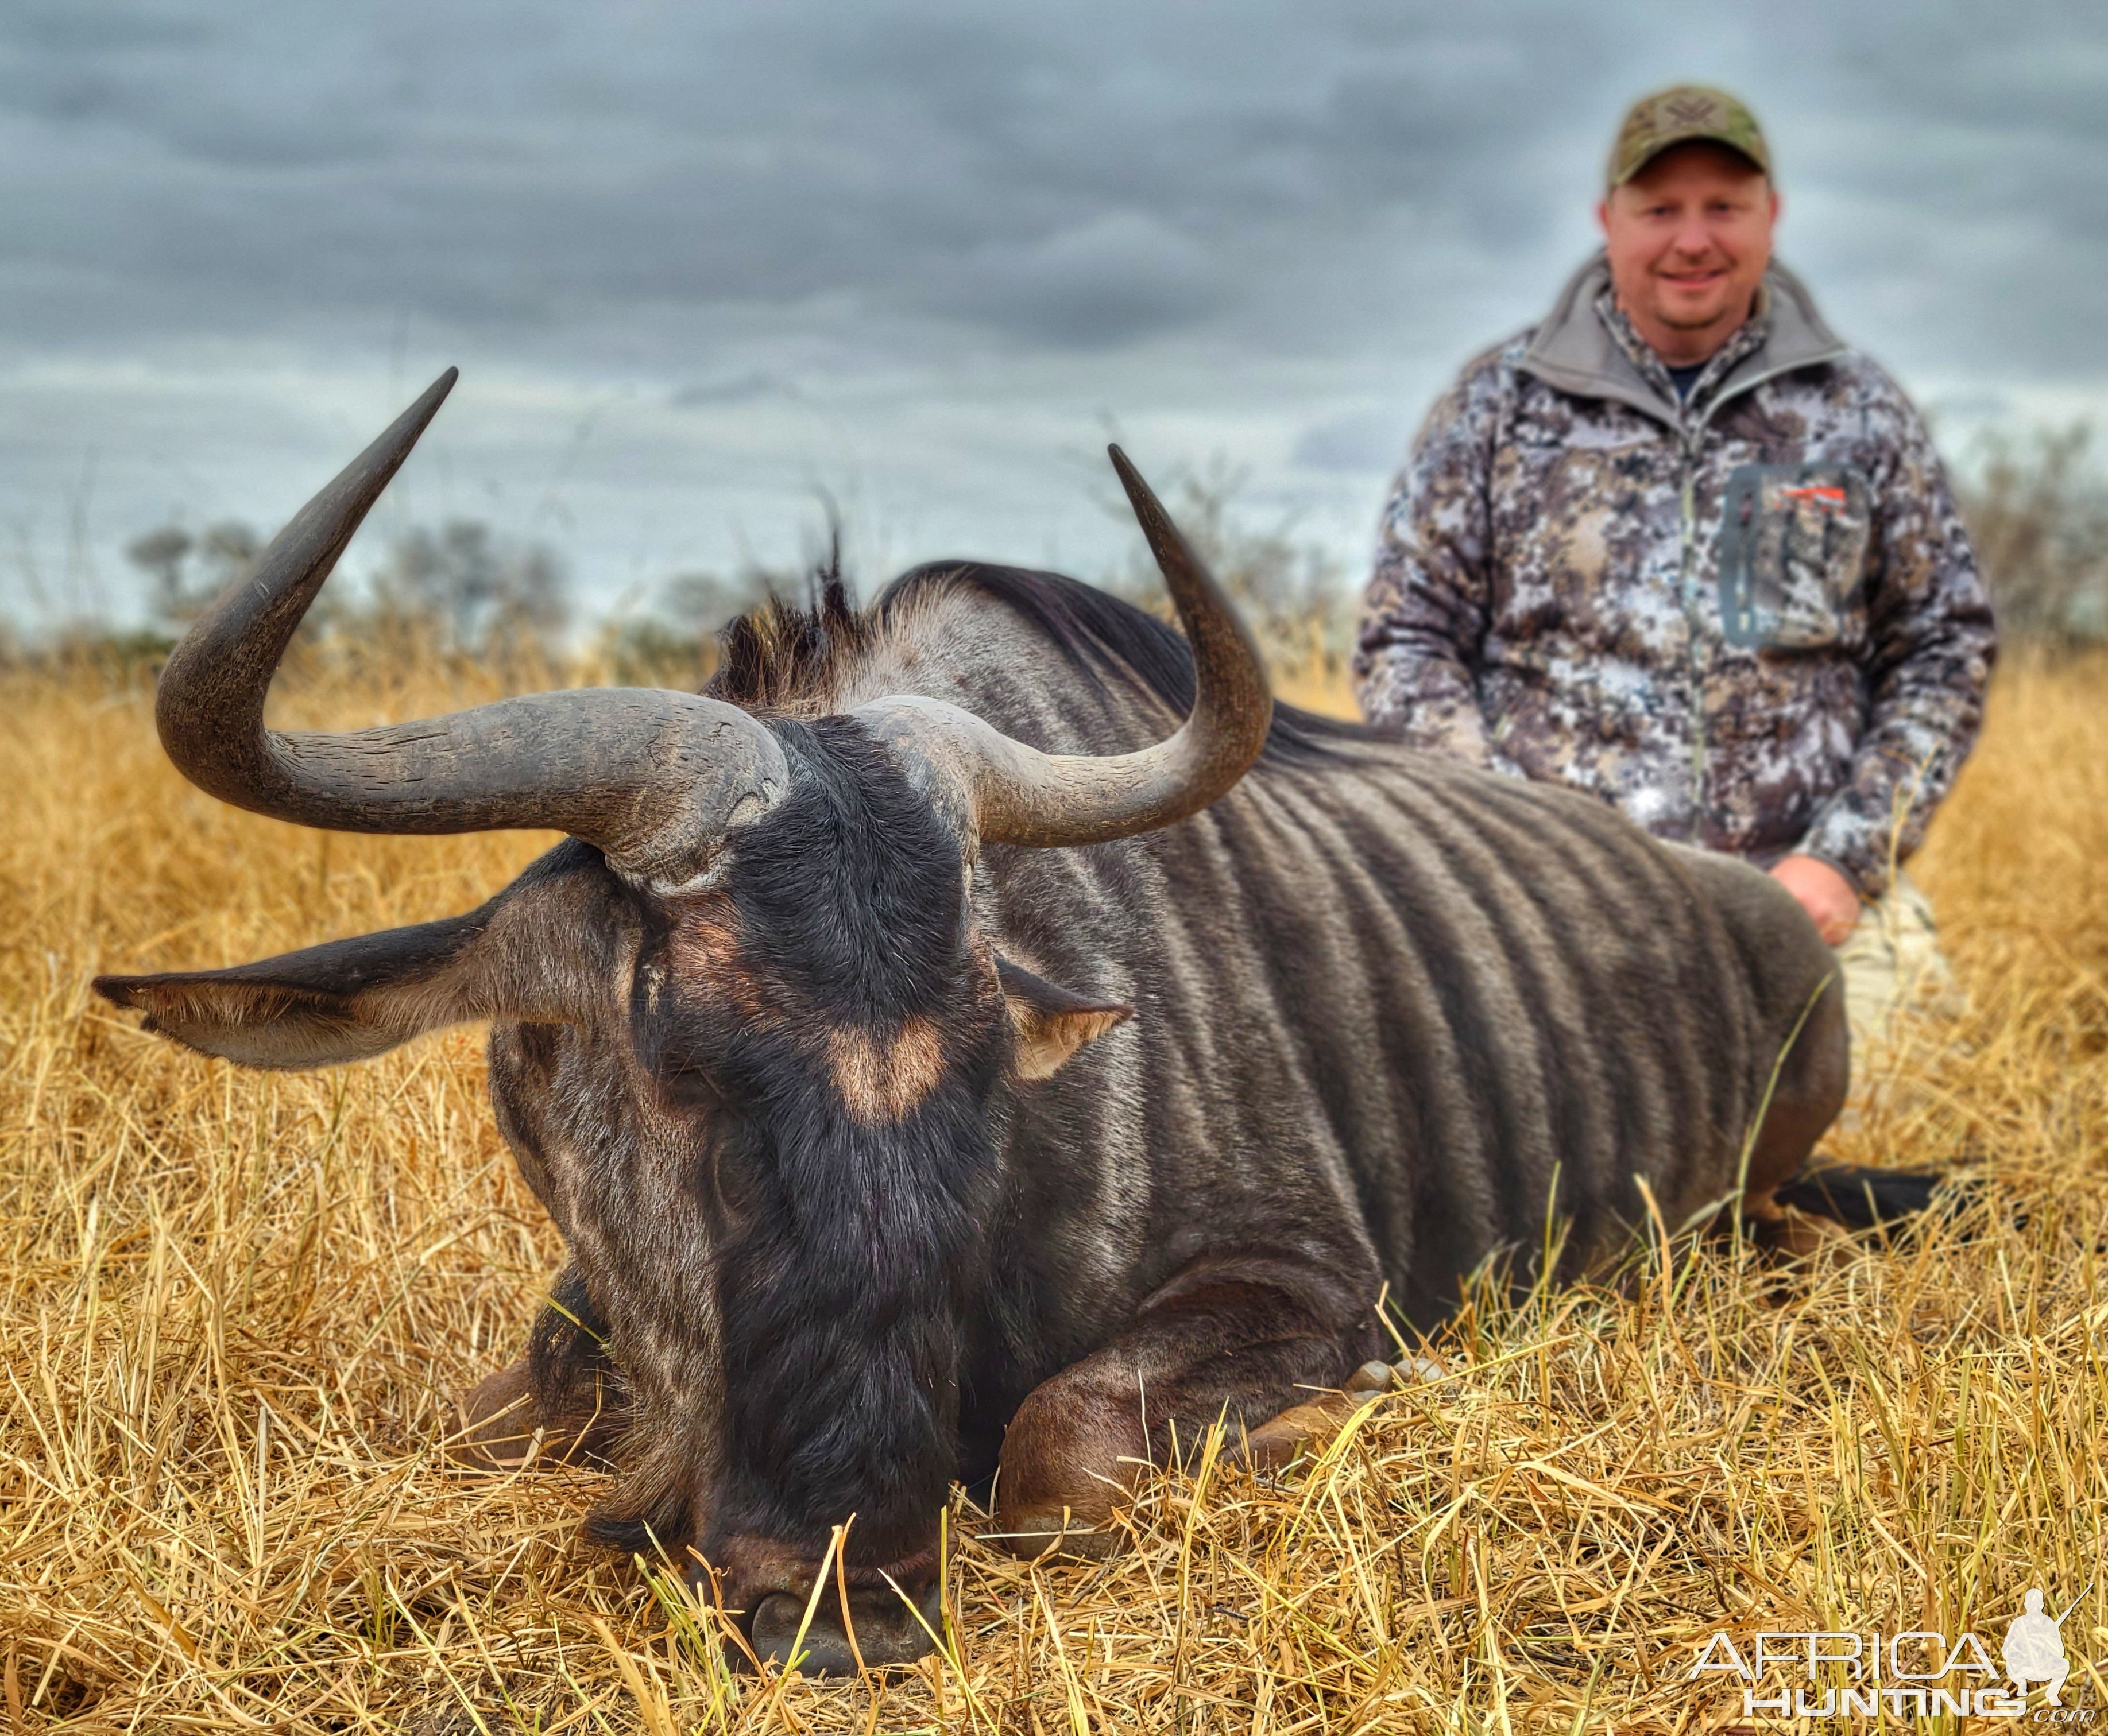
(1679, 545)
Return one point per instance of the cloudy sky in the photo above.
(702, 264)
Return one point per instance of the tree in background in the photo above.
(478, 593)
(457, 591)
(2038, 512)
(187, 571)
(1296, 595)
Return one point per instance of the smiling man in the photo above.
(1679, 546)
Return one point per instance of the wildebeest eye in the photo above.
(683, 1058)
(678, 1033)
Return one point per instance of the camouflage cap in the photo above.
(1677, 115)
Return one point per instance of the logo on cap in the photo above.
(1678, 116)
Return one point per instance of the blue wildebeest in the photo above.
(925, 1086)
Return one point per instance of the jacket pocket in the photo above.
(1791, 554)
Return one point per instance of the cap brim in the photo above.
(1698, 134)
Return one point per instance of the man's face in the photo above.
(1688, 239)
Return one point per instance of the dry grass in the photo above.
(234, 1306)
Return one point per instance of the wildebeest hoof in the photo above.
(501, 1428)
(1301, 1428)
(1031, 1535)
(1788, 1233)
(887, 1632)
(1372, 1377)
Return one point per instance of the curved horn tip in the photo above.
(1159, 530)
(359, 483)
(1139, 494)
(404, 432)
(429, 399)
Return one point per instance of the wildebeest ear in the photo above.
(540, 952)
(1051, 1023)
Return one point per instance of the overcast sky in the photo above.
(698, 262)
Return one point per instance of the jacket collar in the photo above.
(1574, 350)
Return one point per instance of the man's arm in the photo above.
(1424, 614)
(1929, 622)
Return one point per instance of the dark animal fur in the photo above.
(1862, 1199)
(857, 1250)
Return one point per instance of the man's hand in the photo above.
(1823, 892)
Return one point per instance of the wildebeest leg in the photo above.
(1798, 994)
(1812, 1083)
(566, 1389)
(561, 1403)
(1234, 1340)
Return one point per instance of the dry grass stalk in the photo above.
(235, 1305)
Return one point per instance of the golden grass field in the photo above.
(233, 1308)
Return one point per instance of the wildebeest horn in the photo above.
(649, 776)
(1022, 796)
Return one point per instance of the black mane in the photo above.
(782, 652)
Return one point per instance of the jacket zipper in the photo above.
(1689, 504)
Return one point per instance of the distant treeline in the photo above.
(460, 591)
(2036, 507)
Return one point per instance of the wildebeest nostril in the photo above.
(886, 1630)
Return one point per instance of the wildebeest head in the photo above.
(750, 1044)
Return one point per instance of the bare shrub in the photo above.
(674, 644)
(1295, 593)
(186, 569)
(2036, 508)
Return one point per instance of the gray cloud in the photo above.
(920, 251)
(1357, 443)
(1114, 278)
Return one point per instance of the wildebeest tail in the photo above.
(1857, 1196)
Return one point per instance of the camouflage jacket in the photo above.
(1751, 620)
